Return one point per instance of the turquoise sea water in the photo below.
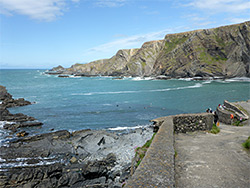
(102, 102)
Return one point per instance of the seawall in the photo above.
(231, 108)
(157, 167)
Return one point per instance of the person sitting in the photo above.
(221, 107)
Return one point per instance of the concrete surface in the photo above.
(157, 167)
(206, 160)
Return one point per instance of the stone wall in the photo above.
(231, 106)
(238, 112)
(192, 122)
(224, 116)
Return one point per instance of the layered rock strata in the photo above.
(14, 121)
(84, 158)
(219, 52)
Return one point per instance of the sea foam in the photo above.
(197, 85)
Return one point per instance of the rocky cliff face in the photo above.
(222, 51)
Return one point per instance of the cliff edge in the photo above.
(218, 52)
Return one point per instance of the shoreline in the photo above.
(60, 158)
(81, 158)
(90, 156)
(158, 77)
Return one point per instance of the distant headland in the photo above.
(222, 52)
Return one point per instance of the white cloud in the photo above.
(215, 6)
(45, 10)
(107, 50)
(238, 20)
(130, 41)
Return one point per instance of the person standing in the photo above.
(215, 118)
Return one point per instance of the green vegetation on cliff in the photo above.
(140, 152)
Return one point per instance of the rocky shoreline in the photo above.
(85, 158)
(14, 121)
(65, 74)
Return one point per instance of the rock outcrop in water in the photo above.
(218, 52)
(14, 121)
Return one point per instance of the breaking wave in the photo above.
(197, 85)
(128, 128)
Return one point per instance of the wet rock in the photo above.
(102, 141)
(97, 182)
(63, 76)
(75, 177)
(47, 157)
(29, 124)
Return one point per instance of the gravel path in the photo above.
(206, 160)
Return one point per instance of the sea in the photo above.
(76, 103)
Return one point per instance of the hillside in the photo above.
(222, 51)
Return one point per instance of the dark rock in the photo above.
(75, 177)
(30, 124)
(102, 141)
(46, 159)
(97, 182)
(125, 173)
(64, 180)
(110, 159)
(95, 169)
(14, 126)
(63, 76)
(4, 94)
(98, 168)
(54, 135)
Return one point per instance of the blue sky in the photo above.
(47, 33)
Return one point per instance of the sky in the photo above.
(46, 33)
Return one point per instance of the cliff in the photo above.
(222, 51)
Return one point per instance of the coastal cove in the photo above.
(77, 103)
(87, 129)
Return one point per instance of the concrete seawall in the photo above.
(157, 168)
